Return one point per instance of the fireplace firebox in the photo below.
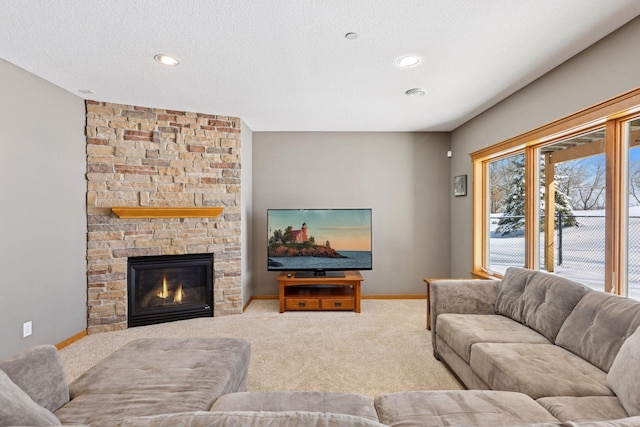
(169, 287)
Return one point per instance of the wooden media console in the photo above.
(320, 293)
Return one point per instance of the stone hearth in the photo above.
(140, 156)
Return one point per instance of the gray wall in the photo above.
(246, 155)
(403, 177)
(42, 222)
(603, 71)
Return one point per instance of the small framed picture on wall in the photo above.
(460, 185)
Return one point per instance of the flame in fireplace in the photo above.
(164, 293)
(179, 295)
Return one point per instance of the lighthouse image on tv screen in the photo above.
(319, 239)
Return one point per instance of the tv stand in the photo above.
(320, 292)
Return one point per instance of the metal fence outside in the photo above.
(579, 250)
(578, 247)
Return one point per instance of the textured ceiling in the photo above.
(285, 65)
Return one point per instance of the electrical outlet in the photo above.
(27, 329)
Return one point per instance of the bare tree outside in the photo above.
(583, 180)
(634, 183)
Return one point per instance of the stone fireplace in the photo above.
(177, 162)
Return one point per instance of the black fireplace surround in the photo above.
(169, 287)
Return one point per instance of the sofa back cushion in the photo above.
(598, 326)
(40, 373)
(624, 375)
(539, 300)
(509, 301)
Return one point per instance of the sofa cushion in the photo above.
(40, 373)
(510, 297)
(598, 326)
(624, 375)
(309, 401)
(458, 408)
(244, 419)
(18, 409)
(462, 370)
(158, 376)
(537, 299)
(586, 408)
(538, 370)
(461, 331)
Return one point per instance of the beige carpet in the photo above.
(385, 348)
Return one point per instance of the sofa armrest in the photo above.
(464, 296)
(461, 296)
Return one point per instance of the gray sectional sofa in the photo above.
(575, 351)
(165, 382)
(534, 349)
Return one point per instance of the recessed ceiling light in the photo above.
(408, 61)
(416, 92)
(351, 36)
(87, 91)
(166, 60)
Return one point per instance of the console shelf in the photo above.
(320, 293)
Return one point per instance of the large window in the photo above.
(572, 190)
(506, 213)
(564, 198)
(632, 235)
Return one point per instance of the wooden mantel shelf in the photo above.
(165, 212)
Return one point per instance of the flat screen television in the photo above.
(319, 242)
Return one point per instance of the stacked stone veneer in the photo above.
(153, 157)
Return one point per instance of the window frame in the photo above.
(611, 115)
